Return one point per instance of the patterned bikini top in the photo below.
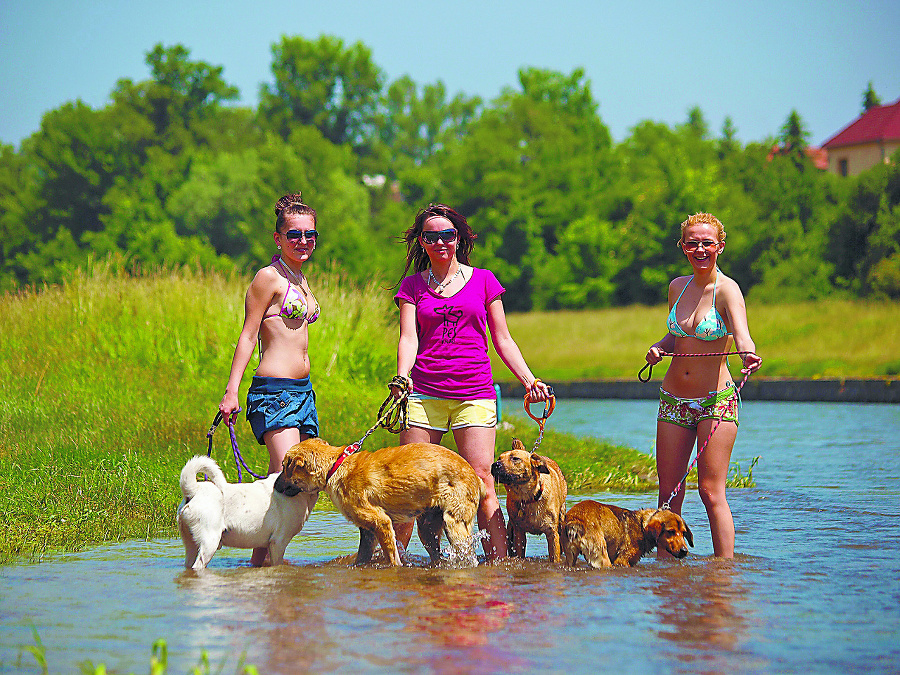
(712, 327)
(293, 304)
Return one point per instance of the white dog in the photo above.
(217, 513)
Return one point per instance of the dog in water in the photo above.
(216, 513)
(535, 498)
(607, 535)
(420, 481)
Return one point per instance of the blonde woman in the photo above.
(707, 315)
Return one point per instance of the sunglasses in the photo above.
(446, 236)
(694, 245)
(299, 235)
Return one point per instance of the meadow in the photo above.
(111, 381)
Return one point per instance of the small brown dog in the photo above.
(423, 482)
(535, 498)
(608, 535)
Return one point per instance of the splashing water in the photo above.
(462, 554)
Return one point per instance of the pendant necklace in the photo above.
(439, 287)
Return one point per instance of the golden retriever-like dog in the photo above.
(216, 513)
(607, 535)
(535, 498)
(420, 481)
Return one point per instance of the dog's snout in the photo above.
(682, 553)
(497, 469)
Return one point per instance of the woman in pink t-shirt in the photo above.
(446, 309)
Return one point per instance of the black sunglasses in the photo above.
(446, 236)
(298, 235)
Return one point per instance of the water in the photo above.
(814, 587)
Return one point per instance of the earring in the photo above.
(279, 247)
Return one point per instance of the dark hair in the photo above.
(291, 205)
(416, 257)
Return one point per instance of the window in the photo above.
(842, 166)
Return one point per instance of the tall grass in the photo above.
(833, 338)
(110, 382)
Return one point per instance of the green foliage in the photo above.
(169, 174)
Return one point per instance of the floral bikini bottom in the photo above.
(688, 412)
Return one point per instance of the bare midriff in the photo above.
(696, 376)
(284, 348)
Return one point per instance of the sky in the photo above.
(754, 62)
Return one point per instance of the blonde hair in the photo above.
(703, 219)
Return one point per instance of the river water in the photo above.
(815, 586)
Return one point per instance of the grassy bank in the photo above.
(110, 383)
(834, 338)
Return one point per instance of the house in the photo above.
(868, 141)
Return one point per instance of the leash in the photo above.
(392, 416)
(650, 365)
(238, 458)
(549, 406)
(737, 391)
(681, 483)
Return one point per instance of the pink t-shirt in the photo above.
(452, 361)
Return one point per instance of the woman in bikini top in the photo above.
(293, 303)
(712, 327)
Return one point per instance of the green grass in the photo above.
(110, 384)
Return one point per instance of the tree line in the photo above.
(173, 172)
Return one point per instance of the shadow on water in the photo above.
(815, 587)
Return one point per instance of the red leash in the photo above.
(715, 426)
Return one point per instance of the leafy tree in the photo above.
(870, 98)
(323, 84)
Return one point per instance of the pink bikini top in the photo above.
(293, 304)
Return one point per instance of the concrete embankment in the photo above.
(756, 389)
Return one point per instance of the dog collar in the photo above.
(349, 450)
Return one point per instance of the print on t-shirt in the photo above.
(451, 319)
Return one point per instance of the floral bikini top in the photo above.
(712, 327)
(293, 304)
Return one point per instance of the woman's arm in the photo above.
(510, 353)
(736, 311)
(257, 300)
(408, 346)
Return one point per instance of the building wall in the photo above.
(858, 158)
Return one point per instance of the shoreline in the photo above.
(834, 390)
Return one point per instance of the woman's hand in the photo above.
(538, 391)
(752, 362)
(397, 389)
(655, 355)
(229, 405)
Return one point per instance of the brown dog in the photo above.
(423, 482)
(608, 535)
(535, 498)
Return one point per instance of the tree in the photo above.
(323, 84)
(870, 98)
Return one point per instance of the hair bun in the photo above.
(287, 201)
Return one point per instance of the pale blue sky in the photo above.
(753, 61)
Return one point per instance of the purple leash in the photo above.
(238, 458)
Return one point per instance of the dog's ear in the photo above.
(654, 526)
(539, 463)
(517, 444)
(689, 535)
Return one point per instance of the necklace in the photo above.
(298, 277)
(439, 287)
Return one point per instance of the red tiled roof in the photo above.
(879, 123)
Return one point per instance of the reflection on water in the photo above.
(814, 587)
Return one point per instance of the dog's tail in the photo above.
(197, 465)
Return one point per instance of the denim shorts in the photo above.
(688, 412)
(443, 414)
(279, 403)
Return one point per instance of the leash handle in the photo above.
(549, 407)
(238, 458)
